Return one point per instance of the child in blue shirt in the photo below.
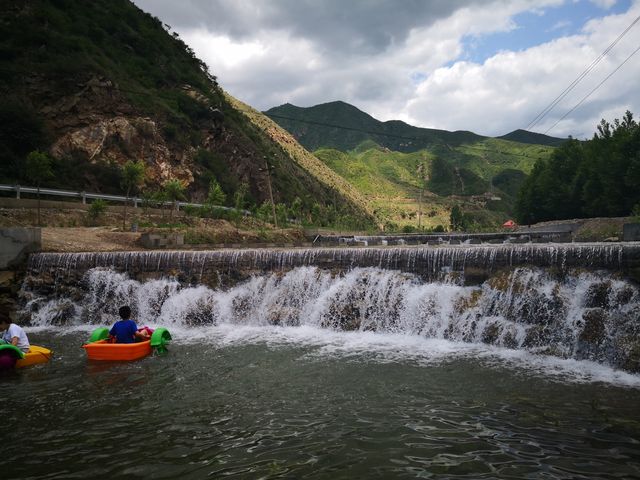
(125, 330)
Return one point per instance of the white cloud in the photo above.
(405, 62)
(511, 88)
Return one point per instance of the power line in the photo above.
(392, 135)
(575, 82)
(592, 91)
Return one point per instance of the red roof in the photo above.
(509, 224)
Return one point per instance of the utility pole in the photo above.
(268, 168)
(422, 177)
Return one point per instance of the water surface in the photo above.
(293, 402)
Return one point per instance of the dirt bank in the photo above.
(72, 230)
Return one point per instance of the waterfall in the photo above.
(577, 314)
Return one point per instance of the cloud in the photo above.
(405, 62)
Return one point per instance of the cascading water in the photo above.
(580, 315)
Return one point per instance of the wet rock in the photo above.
(288, 316)
(491, 333)
(467, 303)
(628, 357)
(536, 336)
(592, 336)
(597, 295)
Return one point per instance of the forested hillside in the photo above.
(95, 85)
(344, 127)
(415, 176)
(597, 178)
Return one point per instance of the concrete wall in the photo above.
(16, 243)
(162, 240)
(631, 232)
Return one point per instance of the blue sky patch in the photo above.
(534, 28)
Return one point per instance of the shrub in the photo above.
(97, 209)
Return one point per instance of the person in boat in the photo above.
(125, 330)
(144, 333)
(13, 334)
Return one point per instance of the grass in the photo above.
(457, 175)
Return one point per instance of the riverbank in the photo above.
(72, 230)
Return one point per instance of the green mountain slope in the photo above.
(343, 127)
(96, 84)
(523, 136)
(381, 159)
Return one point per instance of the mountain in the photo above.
(343, 127)
(96, 84)
(382, 160)
(524, 136)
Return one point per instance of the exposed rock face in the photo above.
(120, 139)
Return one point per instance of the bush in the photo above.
(97, 209)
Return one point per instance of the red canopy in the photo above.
(509, 224)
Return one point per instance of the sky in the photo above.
(488, 66)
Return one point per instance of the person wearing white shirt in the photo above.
(13, 334)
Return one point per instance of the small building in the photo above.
(509, 224)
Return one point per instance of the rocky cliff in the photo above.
(96, 84)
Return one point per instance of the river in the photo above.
(506, 362)
(303, 402)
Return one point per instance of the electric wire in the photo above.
(592, 91)
(580, 77)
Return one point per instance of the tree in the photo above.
(596, 178)
(216, 195)
(239, 199)
(457, 219)
(174, 189)
(295, 210)
(161, 198)
(97, 209)
(38, 170)
(133, 175)
(422, 180)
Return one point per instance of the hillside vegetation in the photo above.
(395, 165)
(597, 178)
(98, 84)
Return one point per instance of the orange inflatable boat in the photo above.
(99, 348)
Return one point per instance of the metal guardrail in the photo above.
(102, 196)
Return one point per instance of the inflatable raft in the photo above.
(12, 356)
(99, 347)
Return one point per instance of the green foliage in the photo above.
(97, 209)
(215, 196)
(22, 131)
(600, 177)
(343, 127)
(174, 190)
(38, 167)
(509, 181)
(38, 170)
(457, 219)
(265, 212)
(133, 175)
